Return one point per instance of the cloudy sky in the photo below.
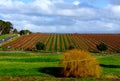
(63, 16)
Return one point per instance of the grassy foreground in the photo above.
(25, 65)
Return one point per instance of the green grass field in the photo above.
(4, 36)
(110, 65)
(26, 64)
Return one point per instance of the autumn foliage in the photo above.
(77, 63)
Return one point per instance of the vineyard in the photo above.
(61, 42)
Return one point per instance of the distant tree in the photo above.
(102, 46)
(5, 27)
(9, 27)
(1, 26)
(15, 31)
(23, 32)
(40, 46)
(71, 46)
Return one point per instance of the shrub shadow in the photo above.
(110, 66)
(54, 71)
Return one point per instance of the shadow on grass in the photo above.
(110, 66)
(54, 71)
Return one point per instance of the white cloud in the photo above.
(111, 11)
(60, 16)
(116, 10)
(76, 3)
(43, 5)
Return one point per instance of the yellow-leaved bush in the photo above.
(78, 63)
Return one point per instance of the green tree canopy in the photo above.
(102, 46)
(23, 32)
(40, 46)
(71, 47)
(15, 31)
(6, 27)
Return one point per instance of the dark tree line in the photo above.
(6, 27)
(24, 32)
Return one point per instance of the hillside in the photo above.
(61, 42)
(5, 38)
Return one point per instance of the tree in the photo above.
(9, 27)
(5, 27)
(102, 46)
(23, 32)
(71, 46)
(2, 27)
(15, 31)
(40, 46)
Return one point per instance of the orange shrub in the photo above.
(79, 63)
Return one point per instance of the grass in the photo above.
(65, 45)
(55, 47)
(25, 64)
(7, 35)
(35, 65)
(4, 36)
(48, 40)
(50, 48)
(61, 43)
(110, 64)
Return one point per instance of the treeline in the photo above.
(24, 32)
(6, 27)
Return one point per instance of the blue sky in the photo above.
(63, 16)
(96, 3)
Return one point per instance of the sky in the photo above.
(62, 16)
